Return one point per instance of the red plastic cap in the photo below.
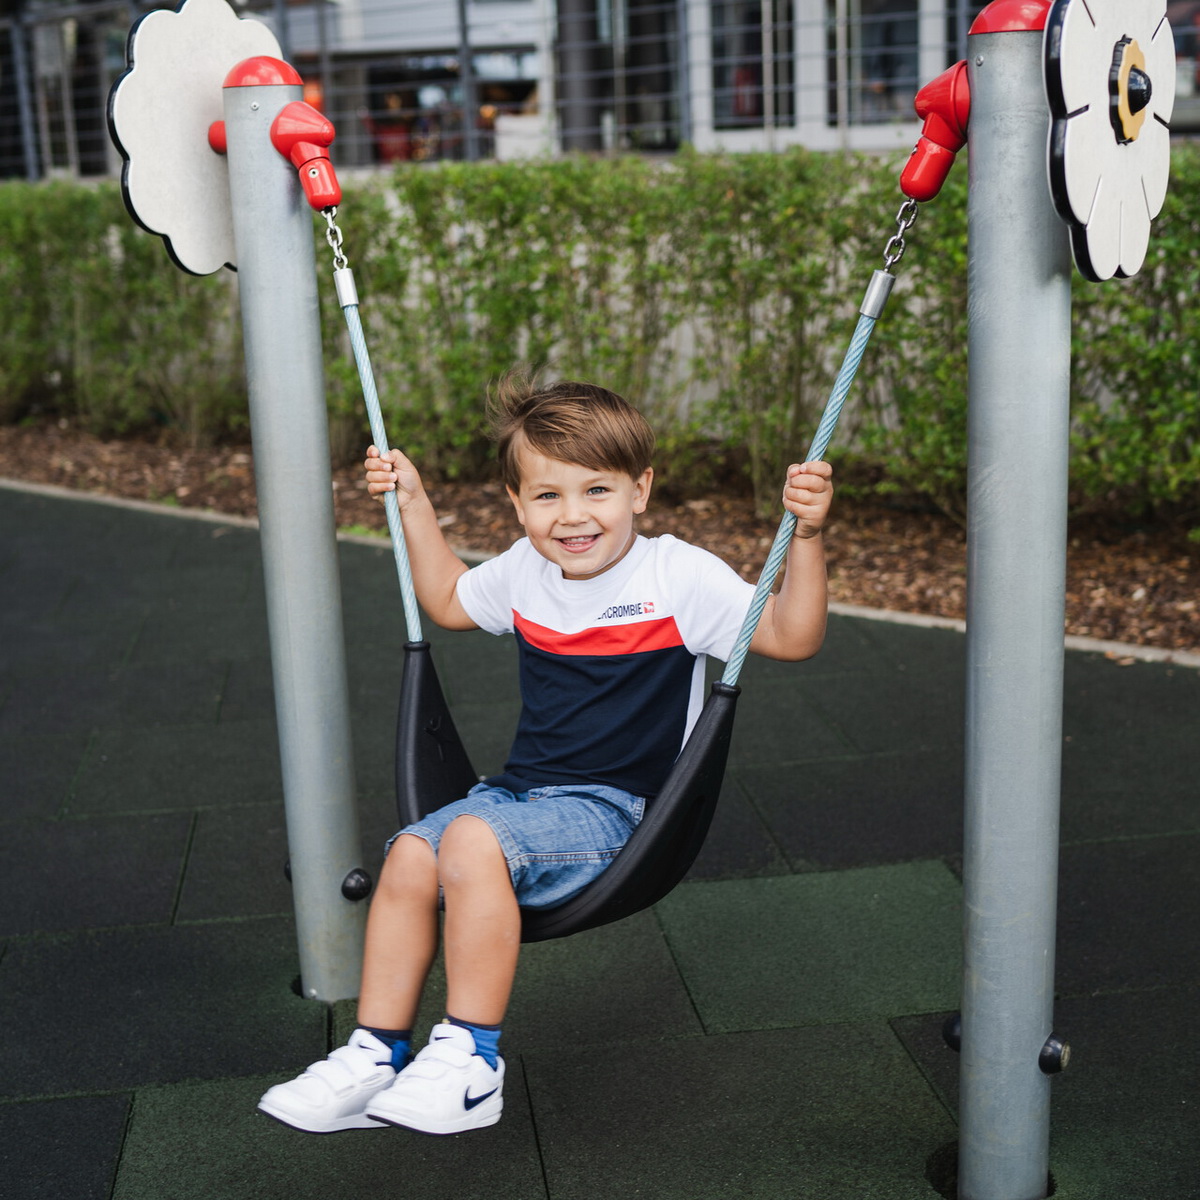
(216, 137)
(1012, 16)
(263, 71)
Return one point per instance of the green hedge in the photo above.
(716, 291)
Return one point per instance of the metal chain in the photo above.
(893, 252)
(333, 235)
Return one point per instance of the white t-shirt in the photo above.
(611, 668)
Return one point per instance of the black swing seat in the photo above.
(432, 770)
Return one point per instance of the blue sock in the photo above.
(399, 1041)
(487, 1039)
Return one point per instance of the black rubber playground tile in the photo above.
(37, 772)
(1136, 780)
(1123, 1120)
(1104, 697)
(68, 526)
(36, 644)
(178, 767)
(205, 1141)
(154, 1005)
(202, 543)
(65, 1148)
(130, 697)
(476, 667)
(65, 875)
(206, 633)
(248, 693)
(820, 948)
(487, 731)
(916, 648)
(183, 590)
(374, 737)
(32, 588)
(235, 866)
(739, 844)
(849, 648)
(1128, 912)
(862, 811)
(836, 1113)
(897, 711)
(782, 720)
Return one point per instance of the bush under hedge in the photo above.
(717, 292)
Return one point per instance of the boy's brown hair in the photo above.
(570, 421)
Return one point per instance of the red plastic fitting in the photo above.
(1013, 16)
(263, 71)
(303, 135)
(945, 107)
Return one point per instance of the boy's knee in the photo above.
(469, 848)
(410, 863)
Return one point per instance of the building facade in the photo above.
(420, 80)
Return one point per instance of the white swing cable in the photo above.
(871, 309)
(347, 294)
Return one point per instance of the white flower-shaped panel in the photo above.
(159, 112)
(1110, 80)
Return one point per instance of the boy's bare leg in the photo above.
(482, 934)
(402, 936)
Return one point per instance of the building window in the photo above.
(753, 64)
(874, 68)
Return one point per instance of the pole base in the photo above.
(941, 1172)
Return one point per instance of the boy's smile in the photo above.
(579, 518)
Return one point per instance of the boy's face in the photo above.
(579, 518)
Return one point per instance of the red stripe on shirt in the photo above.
(637, 637)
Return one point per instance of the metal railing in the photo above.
(415, 80)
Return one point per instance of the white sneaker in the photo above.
(447, 1088)
(333, 1094)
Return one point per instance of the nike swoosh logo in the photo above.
(469, 1102)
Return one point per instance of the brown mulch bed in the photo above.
(1134, 585)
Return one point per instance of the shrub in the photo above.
(718, 292)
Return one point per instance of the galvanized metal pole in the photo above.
(273, 235)
(578, 80)
(1020, 312)
(466, 79)
(282, 27)
(682, 34)
(29, 141)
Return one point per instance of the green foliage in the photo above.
(914, 380)
(98, 324)
(1136, 406)
(717, 292)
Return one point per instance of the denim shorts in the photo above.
(556, 839)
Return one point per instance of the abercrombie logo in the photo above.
(616, 611)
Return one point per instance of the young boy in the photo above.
(612, 629)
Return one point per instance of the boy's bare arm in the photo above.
(435, 567)
(793, 622)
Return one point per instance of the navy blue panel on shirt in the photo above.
(615, 719)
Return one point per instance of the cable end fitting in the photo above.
(347, 291)
(878, 291)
